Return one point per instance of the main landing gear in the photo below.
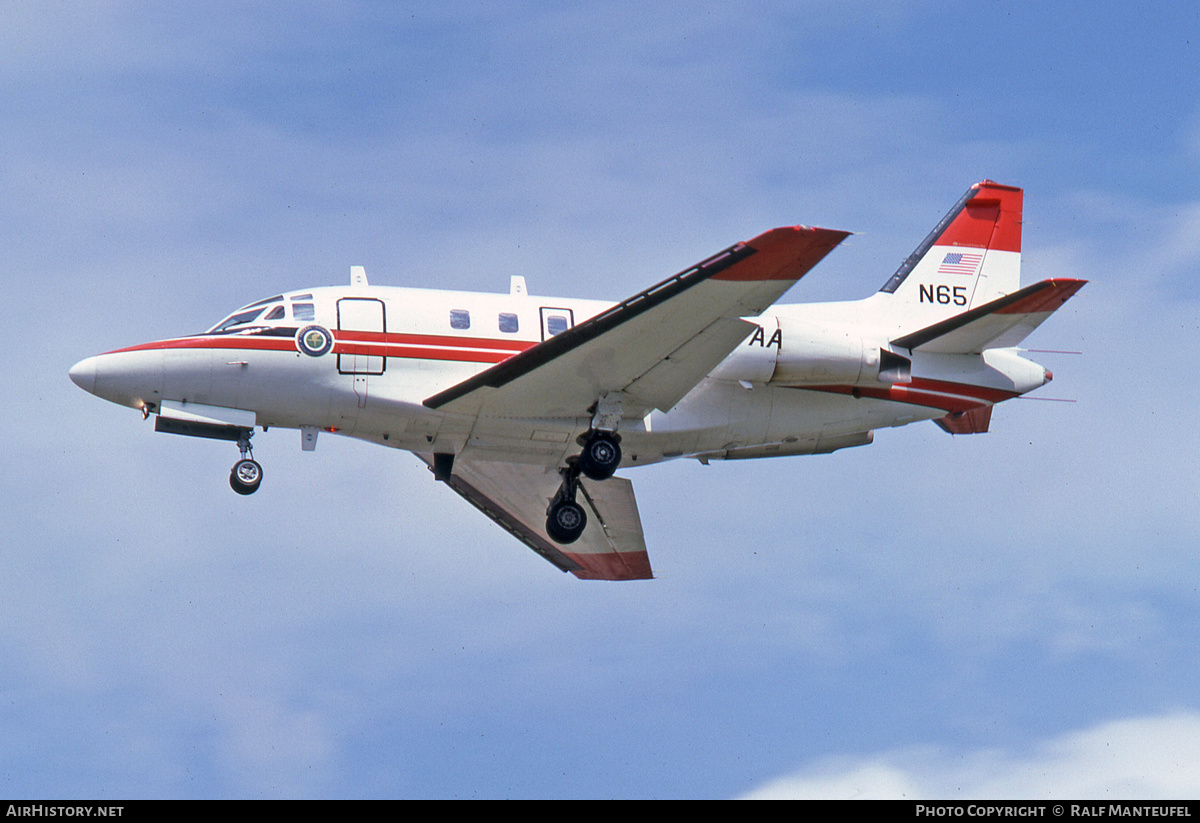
(565, 518)
(600, 456)
(246, 474)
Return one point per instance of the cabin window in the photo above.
(276, 313)
(509, 323)
(303, 311)
(556, 324)
(460, 319)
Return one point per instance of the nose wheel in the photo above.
(246, 474)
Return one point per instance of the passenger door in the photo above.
(362, 323)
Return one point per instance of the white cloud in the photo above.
(1138, 758)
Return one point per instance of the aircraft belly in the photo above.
(722, 417)
(541, 441)
(843, 413)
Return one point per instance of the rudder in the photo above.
(973, 256)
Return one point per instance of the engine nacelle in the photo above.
(813, 355)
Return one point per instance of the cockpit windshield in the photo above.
(241, 318)
(267, 313)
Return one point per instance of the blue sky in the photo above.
(1012, 614)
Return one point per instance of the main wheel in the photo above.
(565, 522)
(600, 457)
(245, 476)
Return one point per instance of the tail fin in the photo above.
(971, 258)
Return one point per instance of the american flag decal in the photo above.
(960, 263)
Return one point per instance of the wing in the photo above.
(1002, 323)
(655, 346)
(516, 495)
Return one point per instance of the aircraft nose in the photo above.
(129, 377)
(83, 374)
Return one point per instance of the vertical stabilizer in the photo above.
(972, 257)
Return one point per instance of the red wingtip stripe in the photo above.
(612, 566)
(1047, 299)
(784, 254)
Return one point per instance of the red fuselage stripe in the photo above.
(378, 344)
(394, 338)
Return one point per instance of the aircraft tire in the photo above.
(566, 522)
(245, 476)
(600, 457)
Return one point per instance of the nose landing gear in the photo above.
(246, 474)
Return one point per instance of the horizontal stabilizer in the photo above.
(1002, 323)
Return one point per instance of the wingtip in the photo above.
(785, 253)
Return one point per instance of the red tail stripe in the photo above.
(935, 394)
(991, 219)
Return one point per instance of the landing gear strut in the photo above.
(601, 455)
(246, 474)
(565, 519)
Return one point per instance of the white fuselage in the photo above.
(807, 380)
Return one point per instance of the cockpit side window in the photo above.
(277, 313)
(303, 311)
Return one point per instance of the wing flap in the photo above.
(1002, 323)
(515, 496)
(672, 377)
(695, 314)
